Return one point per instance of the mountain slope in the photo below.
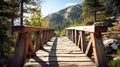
(65, 17)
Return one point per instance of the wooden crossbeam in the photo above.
(89, 48)
(90, 28)
(28, 29)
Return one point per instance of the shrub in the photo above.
(114, 63)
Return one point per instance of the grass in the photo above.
(114, 63)
(118, 52)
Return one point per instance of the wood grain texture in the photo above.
(95, 46)
(60, 52)
(98, 50)
(89, 28)
(24, 46)
(21, 49)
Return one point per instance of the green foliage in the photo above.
(60, 33)
(114, 4)
(45, 23)
(92, 9)
(36, 20)
(57, 33)
(114, 63)
(63, 33)
(118, 52)
(74, 23)
(9, 8)
(5, 36)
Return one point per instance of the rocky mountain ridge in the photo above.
(65, 17)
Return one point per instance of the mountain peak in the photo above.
(64, 16)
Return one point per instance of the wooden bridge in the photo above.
(72, 50)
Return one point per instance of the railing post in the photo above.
(46, 36)
(73, 35)
(66, 32)
(83, 44)
(43, 37)
(81, 41)
(38, 41)
(21, 50)
(49, 35)
(76, 36)
(98, 49)
(69, 34)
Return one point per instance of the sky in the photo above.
(51, 6)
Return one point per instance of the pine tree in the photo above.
(91, 7)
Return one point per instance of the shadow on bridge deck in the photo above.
(60, 52)
(51, 54)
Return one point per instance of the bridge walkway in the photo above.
(60, 52)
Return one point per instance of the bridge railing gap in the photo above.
(25, 47)
(94, 46)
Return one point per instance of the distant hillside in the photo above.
(65, 17)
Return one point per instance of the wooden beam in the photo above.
(89, 49)
(90, 28)
(21, 50)
(83, 44)
(31, 48)
(28, 29)
(98, 49)
(76, 36)
(79, 41)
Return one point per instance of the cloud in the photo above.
(70, 4)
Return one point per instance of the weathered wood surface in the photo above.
(27, 29)
(25, 45)
(95, 45)
(60, 52)
(89, 28)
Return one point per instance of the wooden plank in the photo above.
(27, 29)
(61, 55)
(61, 59)
(66, 52)
(48, 47)
(62, 52)
(61, 64)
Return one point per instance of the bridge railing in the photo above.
(91, 45)
(24, 45)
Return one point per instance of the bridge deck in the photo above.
(60, 52)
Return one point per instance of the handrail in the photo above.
(95, 45)
(24, 46)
